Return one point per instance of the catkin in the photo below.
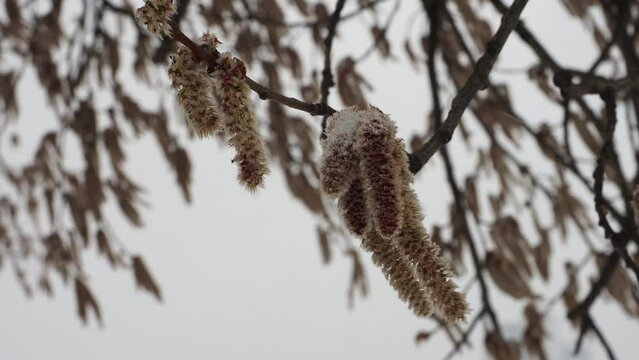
(415, 242)
(232, 94)
(156, 16)
(365, 166)
(398, 273)
(339, 159)
(352, 206)
(375, 140)
(194, 93)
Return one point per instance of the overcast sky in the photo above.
(241, 273)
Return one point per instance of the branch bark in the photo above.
(478, 80)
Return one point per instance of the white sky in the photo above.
(241, 274)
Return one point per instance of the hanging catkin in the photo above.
(232, 95)
(380, 206)
(194, 93)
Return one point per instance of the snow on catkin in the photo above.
(375, 140)
(194, 93)
(232, 94)
(156, 16)
(365, 166)
(339, 159)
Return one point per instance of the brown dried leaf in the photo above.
(351, 84)
(422, 337)
(500, 349)
(471, 195)
(506, 275)
(325, 246)
(511, 243)
(143, 278)
(182, 167)
(8, 92)
(534, 333)
(104, 248)
(86, 301)
(358, 278)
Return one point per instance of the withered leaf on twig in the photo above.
(325, 246)
(143, 278)
(351, 84)
(86, 301)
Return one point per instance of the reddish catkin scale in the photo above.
(232, 94)
(339, 159)
(375, 140)
(194, 93)
(352, 206)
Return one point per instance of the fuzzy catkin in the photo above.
(365, 166)
(156, 16)
(352, 206)
(232, 94)
(398, 273)
(339, 159)
(209, 40)
(375, 140)
(194, 93)
(414, 241)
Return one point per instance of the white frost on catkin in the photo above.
(339, 157)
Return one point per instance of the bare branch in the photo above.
(478, 80)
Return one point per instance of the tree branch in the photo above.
(327, 74)
(264, 92)
(478, 80)
(433, 10)
(589, 324)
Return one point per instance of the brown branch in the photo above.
(465, 335)
(619, 240)
(268, 94)
(478, 80)
(381, 35)
(607, 152)
(327, 74)
(597, 85)
(605, 273)
(433, 10)
(489, 132)
(589, 324)
(265, 93)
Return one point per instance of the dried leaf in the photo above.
(86, 301)
(325, 246)
(143, 278)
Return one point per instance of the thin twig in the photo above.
(264, 92)
(478, 80)
(465, 335)
(433, 10)
(327, 74)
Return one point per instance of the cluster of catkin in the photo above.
(215, 97)
(365, 167)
